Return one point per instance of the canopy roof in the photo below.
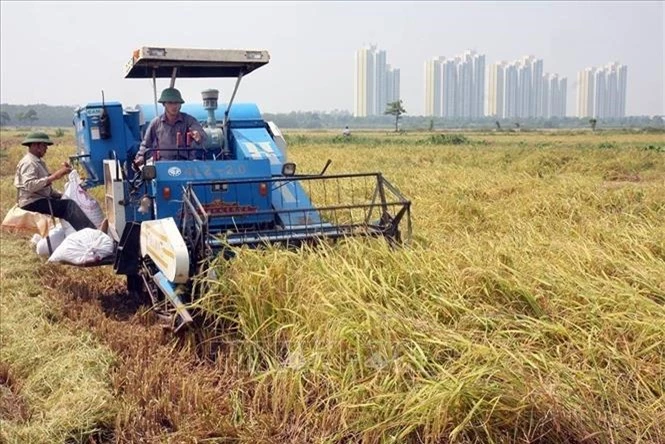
(148, 61)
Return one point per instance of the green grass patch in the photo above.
(378, 140)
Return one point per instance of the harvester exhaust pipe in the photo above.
(210, 97)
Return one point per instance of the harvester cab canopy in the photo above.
(152, 62)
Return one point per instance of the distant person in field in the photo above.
(167, 134)
(33, 182)
(346, 132)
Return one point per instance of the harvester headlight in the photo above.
(289, 169)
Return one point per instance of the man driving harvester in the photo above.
(173, 135)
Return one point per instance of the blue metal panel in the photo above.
(132, 124)
(256, 143)
(290, 195)
(92, 149)
(217, 196)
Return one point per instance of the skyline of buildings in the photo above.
(376, 83)
(520, 89)
(462, 87)
(601, 92)
(455, 87)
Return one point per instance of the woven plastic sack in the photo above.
(18, 219)
(47, 245)
(84, 247)
(87, 203)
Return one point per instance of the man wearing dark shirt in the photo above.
(173, 135)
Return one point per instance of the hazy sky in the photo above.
(65, 53)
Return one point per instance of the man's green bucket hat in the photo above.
(171, 95)
(37, 137)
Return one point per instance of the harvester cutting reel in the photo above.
(304, 210)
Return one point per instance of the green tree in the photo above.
(4, 118)
(31, 115)
(28, 116)
(593, 123)
(395, 109)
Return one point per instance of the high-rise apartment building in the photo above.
(455, 87)
(464, 85)
(433, 87)
(525, 89)
(512, 91)
(536, 96)
(381, 85)
(585, 92)
(392, 84)
(519, 89)
(560, 111)
(496, 87)
(449, 93)
(374, 82)
(554, 90)
(364, 81)
(478, 88)
(601, 92)
(622, 87)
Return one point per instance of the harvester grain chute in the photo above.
(172, 216)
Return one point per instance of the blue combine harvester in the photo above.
(171, 216)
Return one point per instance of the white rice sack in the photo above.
(68, 227)
(86, 246)
(55, 236)
(35, 239)
(85, 201)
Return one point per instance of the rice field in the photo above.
(529, 306)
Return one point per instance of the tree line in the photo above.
(36, 115)
(395, 117)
